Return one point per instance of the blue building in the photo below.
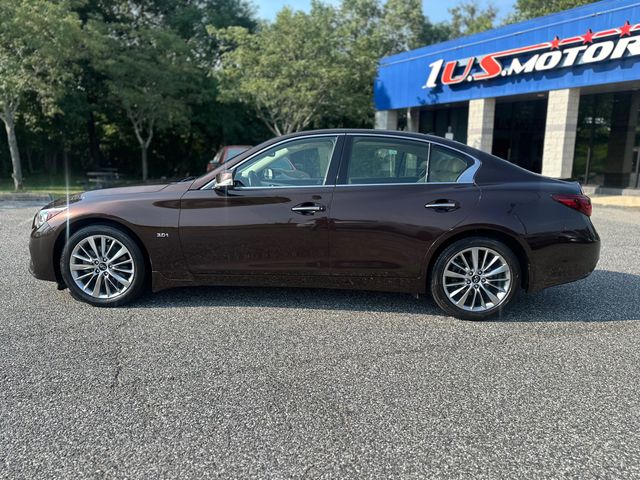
(559, 95)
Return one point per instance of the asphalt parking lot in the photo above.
(282, 383)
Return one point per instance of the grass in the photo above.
(57, 185)
(44, 184)
(47, 185)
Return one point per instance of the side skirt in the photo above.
(380, 284)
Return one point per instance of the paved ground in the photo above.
(259, 383)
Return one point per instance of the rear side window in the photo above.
(383, 160)
(378, 161)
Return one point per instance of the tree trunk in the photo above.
(65, 165)
(144, 143)
(94, 144)
(145, 165)
(54, 163)
(46, 158)
(10, 126)
(30, 160)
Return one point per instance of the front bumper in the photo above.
(42, 249)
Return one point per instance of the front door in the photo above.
(394, 198)
(273, 221)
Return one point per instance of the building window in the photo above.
(446, 122)
(607, 140)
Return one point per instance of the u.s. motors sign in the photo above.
(589, 48)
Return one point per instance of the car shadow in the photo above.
(604, 296)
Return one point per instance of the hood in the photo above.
(106, 192)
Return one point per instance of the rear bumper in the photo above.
(573, 257)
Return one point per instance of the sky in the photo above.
(436, 10)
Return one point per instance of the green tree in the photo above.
(403, 25)
(38, 41)
(286, 71)
(468, 18)
(435, 32)
(149, 73)
(527, 9)
(363, 44)
(316, 68)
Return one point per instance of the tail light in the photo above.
(581, 203)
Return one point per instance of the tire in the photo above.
(121, 278)
(487, 293)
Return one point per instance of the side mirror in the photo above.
(224, 180)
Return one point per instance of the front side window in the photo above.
(379, 161)
(297, 163)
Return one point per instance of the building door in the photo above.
(518, 134)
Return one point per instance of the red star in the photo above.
(625, 30)
(555, 43)
(587, 37)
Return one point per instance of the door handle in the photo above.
(308, 208)
(447, 205)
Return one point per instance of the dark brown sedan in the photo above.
(355, 209)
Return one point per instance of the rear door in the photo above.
(394, 198)
(275, 218)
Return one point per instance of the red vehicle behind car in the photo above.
(225, 154)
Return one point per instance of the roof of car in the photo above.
(396, 133)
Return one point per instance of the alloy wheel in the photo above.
(102, 266)
(477, 279)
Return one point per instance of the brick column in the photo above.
(560, 133)
(413, 120)
(480, 129)
(387, 120)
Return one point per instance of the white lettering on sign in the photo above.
(613, 44)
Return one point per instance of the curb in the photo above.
(25, 197)
(616, 201)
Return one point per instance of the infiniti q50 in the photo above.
(353, 209)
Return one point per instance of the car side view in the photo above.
(352, 209)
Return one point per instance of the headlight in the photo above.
(45, 215)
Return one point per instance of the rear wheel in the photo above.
(474, 278)
(103, 266)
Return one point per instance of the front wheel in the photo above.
(102, 266)
(474, 278)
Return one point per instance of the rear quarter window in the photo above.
(446, 165)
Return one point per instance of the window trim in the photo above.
(336, 154)
(466, 177)
(339, 160)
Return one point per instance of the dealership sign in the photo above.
(589, 48)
